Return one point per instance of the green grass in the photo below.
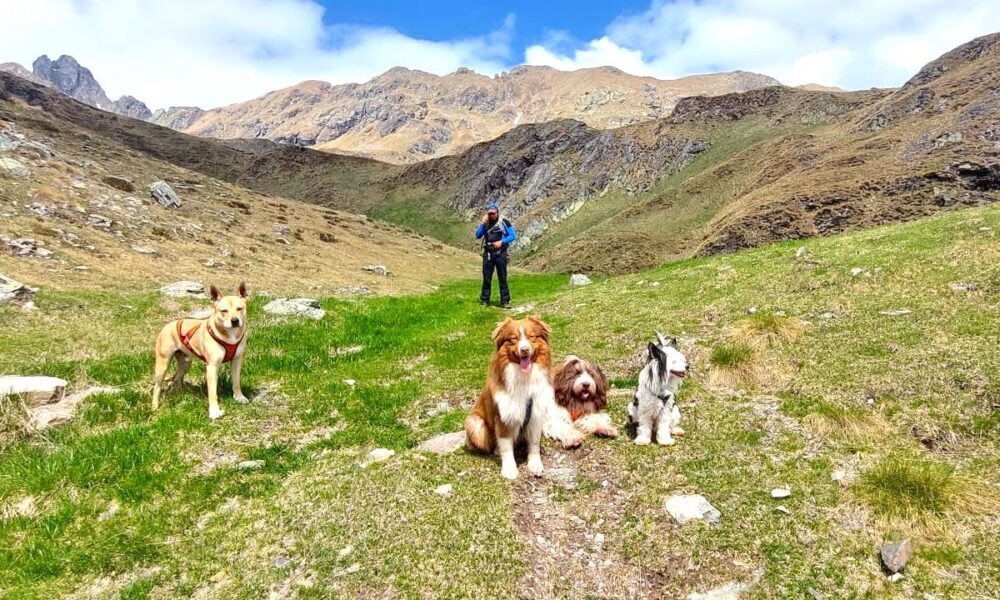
(141, 504)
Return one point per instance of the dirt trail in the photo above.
(564, 519)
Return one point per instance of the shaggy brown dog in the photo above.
(581, 394)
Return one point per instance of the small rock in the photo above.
(692, 507)
(14, 291)
(443, 490)
(381, 270)
(752, 310)
(598, 540)
(50, 415)
(28, 247)
(13, 167)
(801, 252)
(446, 443)
(345, 552)
(119, 183)
(145, 250)
(816, 595)
(282, 561)
(896, 554)
(33, 390)
(730, 591)
(827, 316)
(281, 229)
(295, 307)
(781, 493)
(179, 289)
(109, 512)
(99, 221)
(856, 271)
(782, 509)
(964, 287)
(895, 577)
(164, 194)
(579, 279)
(350, 382)
(379, 455)
(838, 476)
(898, 312)
(251, 465)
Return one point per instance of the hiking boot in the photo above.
(483, 304)
(505, 305)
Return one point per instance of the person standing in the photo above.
(497, 233)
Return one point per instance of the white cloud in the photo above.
(215, 52)
(850, 43)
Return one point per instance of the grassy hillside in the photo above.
(873, 353)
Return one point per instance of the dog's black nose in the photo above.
(585, 385)
(235, 322)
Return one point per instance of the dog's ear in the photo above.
(242, 290)
(546, 330)
(214, 293)
(601, 385)
(656, 353)
(665, 341)
(499, 329)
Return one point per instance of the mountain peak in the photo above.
(71, 78)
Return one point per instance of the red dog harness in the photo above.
(186, 340)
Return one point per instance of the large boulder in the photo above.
(579, 279)
(164, 194)
(33, 390)
(13, 167)
(295, 307)
(119, 183)
(181, 289)
(14, 291)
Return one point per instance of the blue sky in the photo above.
(214, 52)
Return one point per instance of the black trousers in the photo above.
(495, 261)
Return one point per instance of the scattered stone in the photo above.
(380, 270)
(964, 287)
(180, 289)
(896, 554)
(345, 552)
(730, 591)
(443, 490)
(898, 312)
(801, 252)
(895, 577)
(562, 475)
(27, 248)
(13, 167)
(251, 465)
(781, 493)
(446, 443)
(827, 316)
(752, 310)
(119, 183)
(579, 279)
(99, 221)
(145, 250)
(857, 271)
(164, 194)
(782, 509)
(281, 229)
(33, 390)
(379, 455)
(282, 561)
(816, 595)
(350, 382)
(598, 541)
(839, 476)
(109, 512)
(14, 291)
(54, 414)
(692, 507)
(295, 307)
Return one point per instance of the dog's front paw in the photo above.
(665, 441)
(676, 431)
(642, 441)
(241, 399)
(573, 442)
(608, 432)
(509, 472)
(535, 466)
(215, 413)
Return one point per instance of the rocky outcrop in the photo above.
(130, 107)
(177, 117)
(69, 77)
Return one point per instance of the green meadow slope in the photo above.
(872, 353)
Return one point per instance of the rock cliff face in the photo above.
(69, 77)
(406, 116)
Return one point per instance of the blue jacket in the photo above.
(510, 234)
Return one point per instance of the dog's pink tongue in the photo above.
(525, 364)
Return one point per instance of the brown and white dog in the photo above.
(514, 401)
(581, 394)
(219, 339)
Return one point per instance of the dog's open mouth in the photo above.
(525, 364)
(584, 395)
(680, 374)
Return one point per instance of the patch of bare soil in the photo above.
(569, 556)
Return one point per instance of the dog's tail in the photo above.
(478, 436)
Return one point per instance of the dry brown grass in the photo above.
(764, 330)
(734, 365)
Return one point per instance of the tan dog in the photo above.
(219, 339)
(516, 397)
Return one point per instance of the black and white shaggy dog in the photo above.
(654, 406)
